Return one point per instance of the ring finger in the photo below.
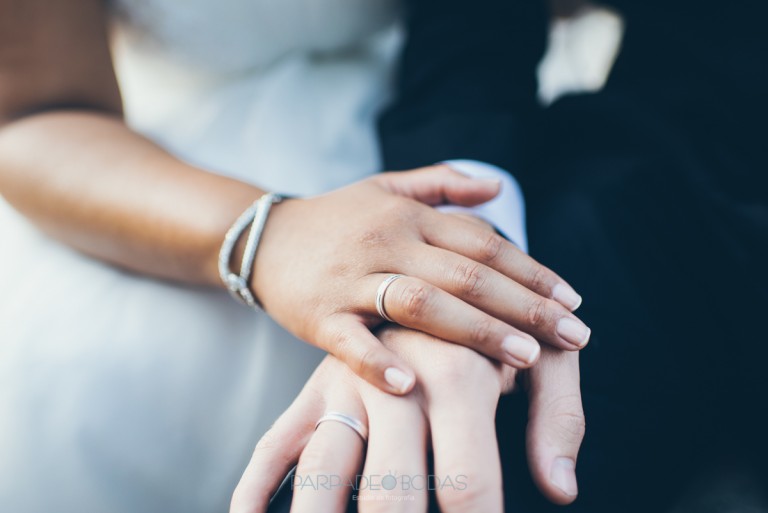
(416, 304)
(328, 466)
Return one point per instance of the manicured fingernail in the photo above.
(520, 348)
(573, 331)
(566, 296)
(563, 475)
(398, 379)
(490, 181)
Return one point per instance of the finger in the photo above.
(395, 471)
(416, 304)
(502, 297)
(491, 249)
(348, 339)
(556, 425)
(466, 454)
(439, 185)
(275, 454)
(328, 466)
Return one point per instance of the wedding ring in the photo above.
(335, 416)
(380, 296)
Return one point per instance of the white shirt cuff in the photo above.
(506, 212)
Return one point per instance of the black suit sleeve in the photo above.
(466, 82)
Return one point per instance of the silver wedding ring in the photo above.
(352, 422)
(380, 296)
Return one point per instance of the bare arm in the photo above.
(72, 166)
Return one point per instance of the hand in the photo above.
(555, 423)
(322, 259)
(452, 409)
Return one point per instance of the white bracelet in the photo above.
(256, 216)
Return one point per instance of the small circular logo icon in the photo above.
(388, 482)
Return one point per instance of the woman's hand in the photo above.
(321, 261)
(451, 412)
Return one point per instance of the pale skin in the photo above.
(450, 413)
(70, 164)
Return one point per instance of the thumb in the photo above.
(556, 424)
(440, 185)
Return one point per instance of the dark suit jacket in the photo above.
(690, 72)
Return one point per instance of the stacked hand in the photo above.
(322, 260)
(464, 284)
(451, 411)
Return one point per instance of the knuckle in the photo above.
(491, 247)
(481, 332)
(455, 367)
(442, 169)
(470, 279)
(339, 341)
(374, 237)
(360, 359)
(538, 313)
(398, 208)
(366, 360)
(415, 300)
(539, 278)
(385, 226)
(570, 426)
(270, 440)
(275, 446)
(567, 417)
(341, 269)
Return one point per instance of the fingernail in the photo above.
(490, 181)
(520, 348)
(573, 331)
(563, 475)
(398, 379)
(566, 296)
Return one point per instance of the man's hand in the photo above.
(452, 409)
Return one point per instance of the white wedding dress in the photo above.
(120, 393)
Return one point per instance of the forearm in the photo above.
(88, 180)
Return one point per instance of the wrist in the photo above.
(267, 244)
(239, 247)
